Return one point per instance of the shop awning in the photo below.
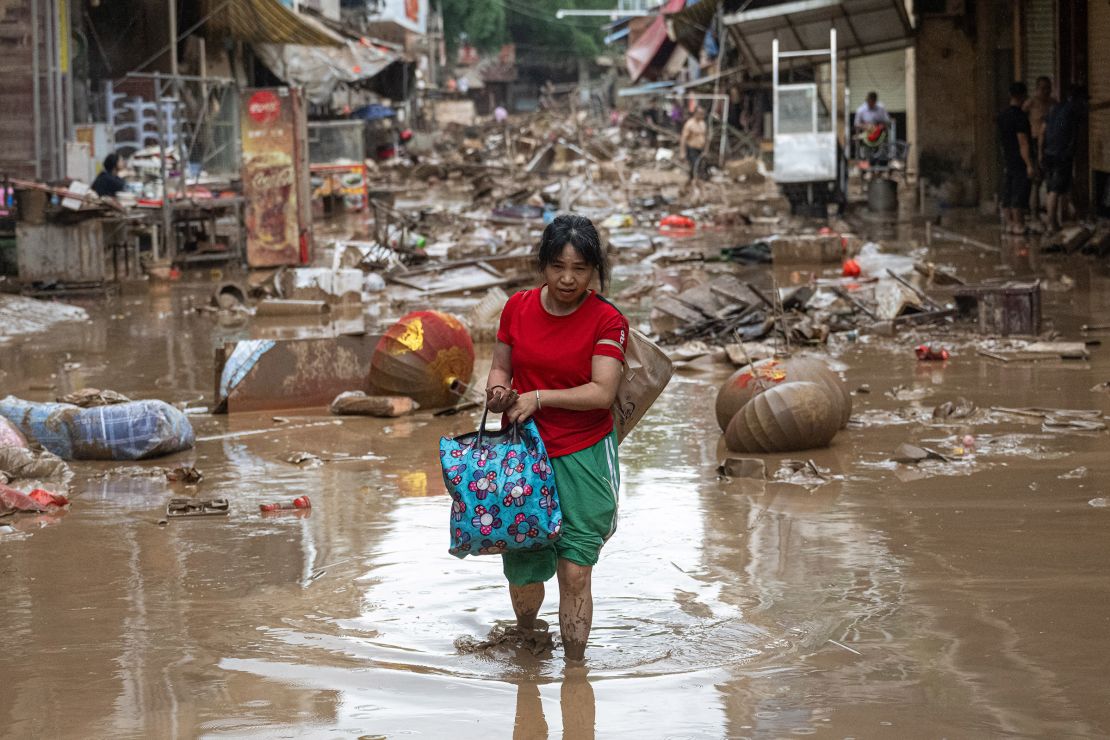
(862, 27)
(643, 51)
(268, 22)
(687, 27)
(321, 69)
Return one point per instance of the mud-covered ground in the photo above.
(958, 599)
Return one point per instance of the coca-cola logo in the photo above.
(264, 107)
(270, 178)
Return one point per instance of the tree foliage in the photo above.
(530, 24)
(481, 23)
(538, 33)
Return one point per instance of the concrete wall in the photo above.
(945, 99)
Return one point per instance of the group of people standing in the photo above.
(1039, 136)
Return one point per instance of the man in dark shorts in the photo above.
(1061, 135)
(1014, 135)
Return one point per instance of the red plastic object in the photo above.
(12, 500)
(851, 268)
(675, 221)
(301, 502)
(46, 498)
(926, 352)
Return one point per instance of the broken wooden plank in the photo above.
(290, 307)
(672, 307)
(1040, 351)
(733, 291)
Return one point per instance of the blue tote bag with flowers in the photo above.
(502, 488)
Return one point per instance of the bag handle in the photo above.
(515, 429)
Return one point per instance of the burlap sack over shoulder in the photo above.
(647, 370)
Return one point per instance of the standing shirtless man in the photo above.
(692, 142)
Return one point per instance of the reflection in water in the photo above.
(577, 708)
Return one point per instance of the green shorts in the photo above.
(588, 481)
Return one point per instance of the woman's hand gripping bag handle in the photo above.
(502, 489)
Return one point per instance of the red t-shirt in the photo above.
(556, 352)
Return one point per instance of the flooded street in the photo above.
(967, 598)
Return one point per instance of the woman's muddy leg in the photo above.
(576, 607)
(527, 601)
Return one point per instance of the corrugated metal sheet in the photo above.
(862, 27)
(885, 74)
(71, 253)
(1098, 25)
(1040, 40)
(269, 22)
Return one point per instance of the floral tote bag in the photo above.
(502, 489)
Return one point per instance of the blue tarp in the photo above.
(374, 112)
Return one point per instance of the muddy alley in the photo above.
(849, 594)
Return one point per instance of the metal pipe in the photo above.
(610, 14)
(49, 36)
(722, 34)
(832, 80)
(36, 94)
(166, 224)
(774, 88)
(724, 134)
(60, 94)
(183, 78)
(67, 101)
(810, 53)
(178, 149)
(173, 36)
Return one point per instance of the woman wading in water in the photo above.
(560, 349)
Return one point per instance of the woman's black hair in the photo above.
(579, 232)
(110, 162)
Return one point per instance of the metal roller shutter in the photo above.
(885, 74)
(1040, 41)
(1098, 25)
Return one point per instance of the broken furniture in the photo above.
(1002, 308)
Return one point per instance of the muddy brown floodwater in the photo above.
(961, 599)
